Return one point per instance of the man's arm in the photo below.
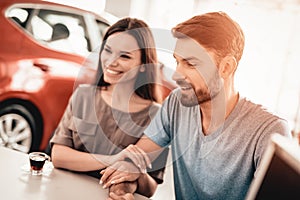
(149, 147)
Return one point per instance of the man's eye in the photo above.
(191, 64)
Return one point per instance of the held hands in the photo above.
(119, 172)
(127, 196)
(135, 154)
(122, 191)
(121, 180)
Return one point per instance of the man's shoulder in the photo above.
(254, 109)
(258, 115)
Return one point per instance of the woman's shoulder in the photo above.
(84, 89)
(84, 92)
(151, 109)
(155, 106)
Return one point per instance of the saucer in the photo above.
(48, 166)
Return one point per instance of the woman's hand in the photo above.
(119, 172)
(135, 154)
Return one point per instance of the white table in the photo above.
(17, 184)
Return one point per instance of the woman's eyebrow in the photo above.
(125, 52)
(107, 46)
(121, 52)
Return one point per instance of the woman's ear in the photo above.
(142, 68)
(227, 66)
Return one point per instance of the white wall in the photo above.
(269, 69)
(92, 5)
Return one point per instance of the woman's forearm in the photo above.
(68, 158)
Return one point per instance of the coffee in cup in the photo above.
(37, 161)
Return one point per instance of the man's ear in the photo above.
(227, 66)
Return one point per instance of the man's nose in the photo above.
(178, 76)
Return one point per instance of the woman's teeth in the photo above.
(112, 71)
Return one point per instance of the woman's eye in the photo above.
(125, 56)
(107, 50)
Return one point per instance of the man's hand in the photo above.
(135, 154)
(122, 191)
(127, 196)
(119, 172)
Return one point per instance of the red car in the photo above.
(43, 46)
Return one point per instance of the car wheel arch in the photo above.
(34, 112)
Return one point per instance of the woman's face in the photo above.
(121, 58)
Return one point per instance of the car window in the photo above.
(19, 15)
(102, 27)
(58, 30)
(61, 31)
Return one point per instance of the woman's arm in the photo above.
(68, 158)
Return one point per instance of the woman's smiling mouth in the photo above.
(113, 72)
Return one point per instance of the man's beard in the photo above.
(191, 97)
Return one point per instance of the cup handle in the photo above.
(48, 158)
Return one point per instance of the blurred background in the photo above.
(267, 74)
(37, 70)
(269, 69)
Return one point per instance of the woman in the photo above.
(103, 119)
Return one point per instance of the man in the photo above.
(217, 137)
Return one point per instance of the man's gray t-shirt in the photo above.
(222, 164)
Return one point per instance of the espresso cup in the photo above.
(37, 161)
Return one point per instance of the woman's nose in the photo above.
(112, 61)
